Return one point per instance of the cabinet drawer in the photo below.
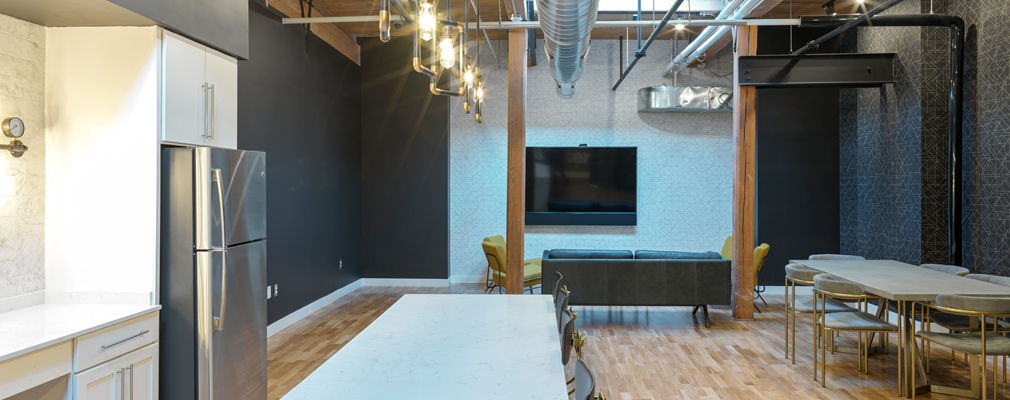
(106, 344)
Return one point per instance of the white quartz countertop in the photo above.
(444, 346)
(33, 328)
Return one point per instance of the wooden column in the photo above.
(515, 228)
(744, 126)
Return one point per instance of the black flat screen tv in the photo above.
(581, 185)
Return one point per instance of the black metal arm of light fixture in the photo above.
(655, 32)
(848, 25)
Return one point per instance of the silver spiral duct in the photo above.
(567, 25)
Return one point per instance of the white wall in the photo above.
(22, 180)
(684, 160)
(102, 169)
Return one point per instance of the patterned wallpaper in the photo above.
(22, 180)
(880, 151)
(885, 214)
(986, 138)
(684, 161)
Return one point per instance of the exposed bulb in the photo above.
(468, 76)
(680, 27)
(448, 55)
(859, 1)
(426, 22)
(479, 94)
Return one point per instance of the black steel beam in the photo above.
(838, 70)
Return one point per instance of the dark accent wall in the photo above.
(405, 149)
(797, 162)
(894, 144)
(304, 109)
(222, 24)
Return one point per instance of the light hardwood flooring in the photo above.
(644, 352)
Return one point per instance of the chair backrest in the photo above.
(585, 381)
(999, 280)
(727, 248)
(832, 285)
(760, 253)
(834, 257)
(950, 269)
(494, 250)
(561, 304)
(982, 304)
(801, 273)
(568, 320)
(557, 283)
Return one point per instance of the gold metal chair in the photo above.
(863, 323)
(798, 275)
(984, 311)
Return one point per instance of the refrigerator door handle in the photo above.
(219, 319)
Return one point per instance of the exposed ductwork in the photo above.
(567, 25)
(736, 9)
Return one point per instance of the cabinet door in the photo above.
(222, 75)
(184, 111)
(104, 382)
(142, 367)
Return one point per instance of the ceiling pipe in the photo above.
(701, 43)
(848, 25)
(567, 26)
(955, 108)
(641, 51)
(402, 11)
(536, 25)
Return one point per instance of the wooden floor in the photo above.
(643, 352)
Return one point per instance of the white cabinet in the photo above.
(184, 91)
(131, 377)
(200, 94)
(104, 382)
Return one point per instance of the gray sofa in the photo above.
(643, 278)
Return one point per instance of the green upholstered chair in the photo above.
(760, 254)
(494, 250)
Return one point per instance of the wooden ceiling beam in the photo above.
(333, 34)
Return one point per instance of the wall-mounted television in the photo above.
(581, 185)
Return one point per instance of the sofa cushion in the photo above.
(590, 254)
(675, 255)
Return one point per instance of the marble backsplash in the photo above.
(22, 180)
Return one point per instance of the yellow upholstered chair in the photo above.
(760, 253)
(494, 250)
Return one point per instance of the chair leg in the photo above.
(785, 316)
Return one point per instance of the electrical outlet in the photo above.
(269, 292)
(341, 264)
(275, 289)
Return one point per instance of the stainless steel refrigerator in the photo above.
(213, 274)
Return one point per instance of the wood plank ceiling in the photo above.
(493, 11)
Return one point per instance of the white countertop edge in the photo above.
(99, 324)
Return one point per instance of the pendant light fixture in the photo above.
(426, 20)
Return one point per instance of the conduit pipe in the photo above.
(493, 25)
(955, 111)
(567, 26)
(641, 51)
(848, 25)
(737, 9)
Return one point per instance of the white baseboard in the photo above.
(468, 279)
(404, 282)
(314, 306)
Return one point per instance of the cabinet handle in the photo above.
(131, 381)
(122, 383)
(213, 112)
(206, 111)
(111, 345)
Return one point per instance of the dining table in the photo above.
(906, 284)
(448, 346)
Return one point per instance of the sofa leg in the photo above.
(708, 323)
(695, 311)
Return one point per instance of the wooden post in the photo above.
(744, 126)
(515, 228)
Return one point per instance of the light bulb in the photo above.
(480, 92)
(426, 22)
(680, 26)
(468, 76)
(859, 1)
(447, 53)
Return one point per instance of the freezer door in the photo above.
(231, 191)
(239, 321)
